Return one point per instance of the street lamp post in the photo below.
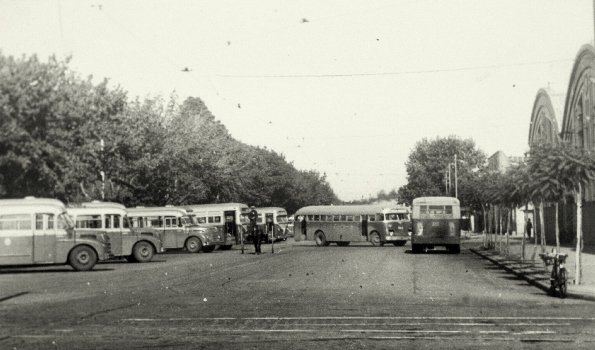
(101, 172)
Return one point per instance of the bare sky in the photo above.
(343, 87)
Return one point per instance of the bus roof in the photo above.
(215, 206)
(96, 211)
(270, 209)
(32, 203)
(436, 201)
(100, 204)
(156, 211)
(341, 209)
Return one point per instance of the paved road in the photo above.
(300, 297)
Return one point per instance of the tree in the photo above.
(428, 163)
(564, 168)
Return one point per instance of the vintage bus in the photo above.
(175, 228)
(111, 218)
(343, 224)
(436, 222)
(227, 218)
(278, 218)
(39, 231)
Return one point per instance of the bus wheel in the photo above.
(82, 258)
(343, 244)
(208, 248)
(320, 239)
(193, 245)
(375, 239)
(416, 248)
(143, 251)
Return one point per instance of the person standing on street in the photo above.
(254, 231)
(529, 228)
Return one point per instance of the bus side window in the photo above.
(380, 217)
(337, 218)
(316, 217)
(448, 209)
(423, 209)
(349, 217)
(108, 221)
(371, 217)
(356, 218)
(15, 222)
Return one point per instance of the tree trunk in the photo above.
(557, 231)
(500, 229)
(526, 216)
(483, 210)
(542, 224)
(579, 234)
(509, 231)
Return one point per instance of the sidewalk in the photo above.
(533, 269)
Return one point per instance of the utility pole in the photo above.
(101, 172)
(456, 185)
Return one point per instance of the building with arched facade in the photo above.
(578, 129)
(544, 127)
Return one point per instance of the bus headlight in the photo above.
(391, 233)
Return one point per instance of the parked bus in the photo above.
(343, 224)
(111, 218)
(278, 218)
(227, 218)
(39, 231)
(175, 228)
(436, 222)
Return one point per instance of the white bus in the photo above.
(227, 218)
(278, 217)
(112, 219)
(343, 224)
(39, 231)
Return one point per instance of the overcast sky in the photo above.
(343, 87)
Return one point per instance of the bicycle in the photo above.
(558, 277)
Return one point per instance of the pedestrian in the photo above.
(529, 227)
(253, 229)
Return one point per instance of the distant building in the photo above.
(500, 162)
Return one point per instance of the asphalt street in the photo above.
(302, 296)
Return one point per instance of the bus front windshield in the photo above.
(185, 221)
(396, 216)
(65, 221)
(282, 219)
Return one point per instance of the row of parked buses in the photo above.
(432, 221)
(45, 231)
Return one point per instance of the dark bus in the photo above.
(436, 222)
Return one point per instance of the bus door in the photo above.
(174, 232)
(304, 228)
(230, 225)
(112, 228)
(44, 238)
(365, 227)
(269, 225)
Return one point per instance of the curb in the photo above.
(531, 281)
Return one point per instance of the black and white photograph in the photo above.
(307, 174)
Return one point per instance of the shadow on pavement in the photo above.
(16, 271)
